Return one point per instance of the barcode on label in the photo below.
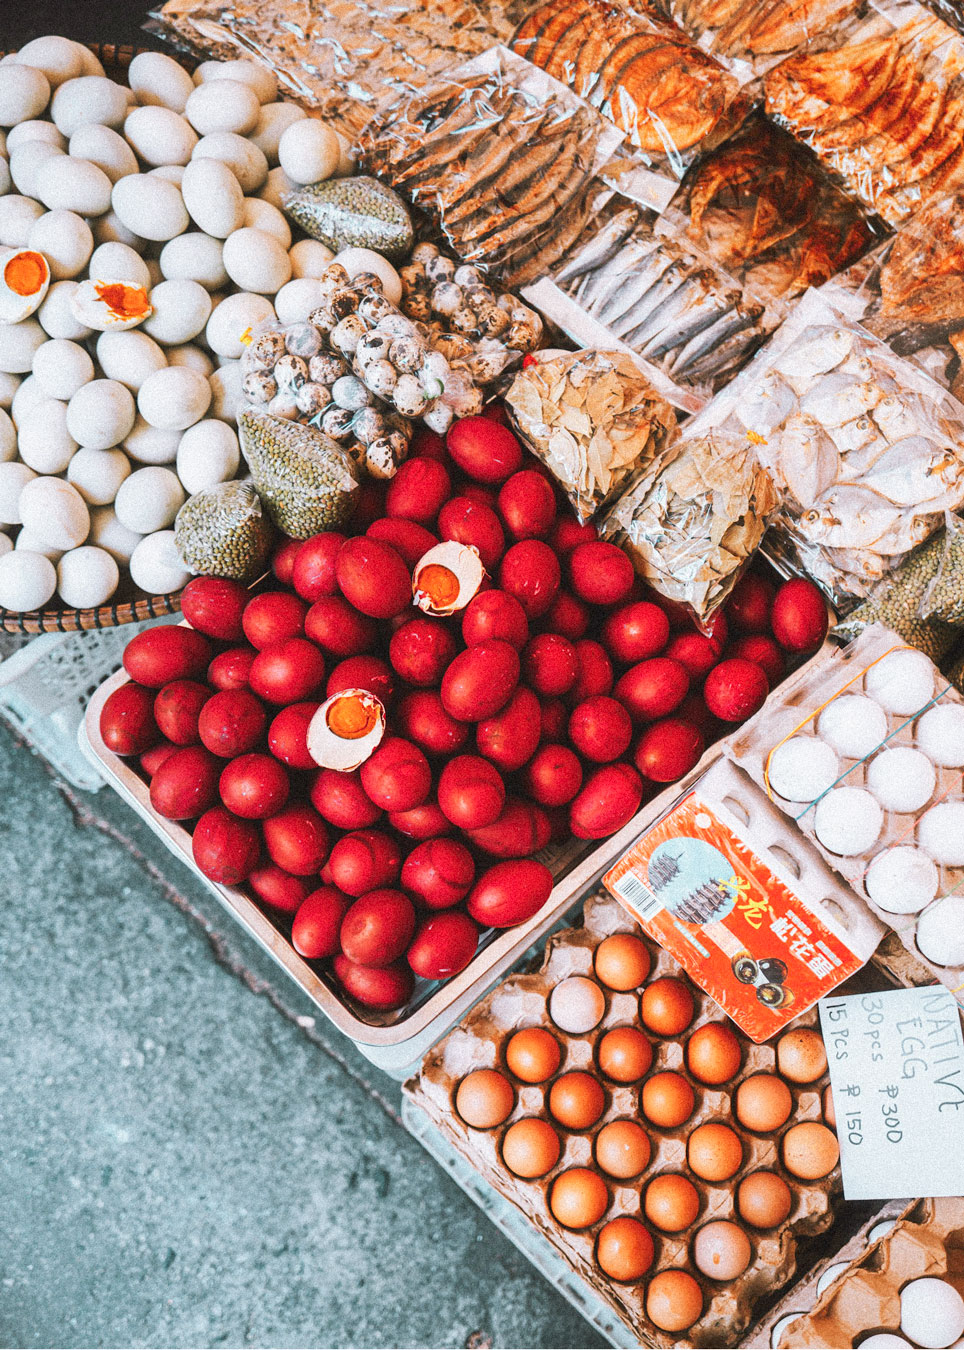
(631, 889)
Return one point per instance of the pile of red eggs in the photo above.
(550, 702)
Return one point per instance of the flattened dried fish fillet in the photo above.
(818, 91)
(788, 24)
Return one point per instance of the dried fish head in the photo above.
(767, 403)
(805, 459)
(821, 349)
(837, 398)
(896, 417)
(858, 365)
(854, 435)
(849, 517)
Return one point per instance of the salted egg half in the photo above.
(346, 729)
(446, 578)
(24, 278)
(113, 306)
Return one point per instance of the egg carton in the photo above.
(793, 711)
(927, 1241)
(521, 1001)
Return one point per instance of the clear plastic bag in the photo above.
(500, 158)
(897, 600)
(306, 482)
(222, 531)
(593, 420)
(750, 36)
(943, 600)
(693, 523)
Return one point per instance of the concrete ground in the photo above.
(186, 1157)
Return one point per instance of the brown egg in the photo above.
(810, 1150)
(530, 1148)
(829, 1113)
(764, 1199)
(579, 1198)
(667, 1006)
(722, 1250)
(763, 1102)
(533, 1054)
(484, 1099)
(667, 1099)
(622, 961)
(714, 1152)
(713, 1053)
(801, 1056)
(625, 1054)
(674, 1301)
(576, 1100)
(624, 1248)
(623, 1149)
(671, 1202)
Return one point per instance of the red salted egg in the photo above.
(177, 708)
(799, 617)
(225, 848)
(254, 786)
(151, 760)
(509, 738)
(438, 872)
(278, 889)
(698, 653)
(635, 631)
(364, 861)
(474, 524)
(296, 838)
(668, 749)
(369, 503)
(230, 669)
(653, 688)
(601, 573)
(273, 616)
(509, 893)
(553, 776)
(443, 945)
(421, 651)
(483, 449)
(169, 652)
(339, 797)
(553, 720)
(422, 822)
(421, 717)
(527, 504)
(482, 496)
(373, 578)
(427, 444)
(568, 616)
(471, 793)
(409, 540)
(600, 728)
(735, 689)
(480, 680)
(317, 922)
(521, 830)
(338, 628)
(378, 927)
(495, 614)
(396, 776)
(762, 649)
(530, 571)
(313, 571)
(550, 665)
(283, 559)
(186, 784)
(288, 671)
(567, 533)
(288, 735)
(750, 602)
(608, 800)
(381, 987)
(418, 490)
(362, 672)
(595, 671)
(214, 605)
(127, 725)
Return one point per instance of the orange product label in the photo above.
(738, 930)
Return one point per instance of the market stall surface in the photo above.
(189, 1157)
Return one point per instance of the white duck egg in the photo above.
(308, 150)
(446, 578)
(26, 166)
(18, 343)
(940, 734)
(940, 938)
(5, 180)
(28, 395)
(213, 197)
(931, 1310)
(150, 207)
(223, 105)
(87, 577)
(355, 260)
(159, 135)
(940, 831)
(149, 499)
(194, 257)
(56, 314)
(35, 130)
(902, 682)
(181, 310)
(27, 542)
(8, 435)
(227, 394)
(110, 229)
(54, 512)
(27, 581)
(90, 64)
(848, 821)
(104, 303)
(256, 261)
(853, 724)
(24, 279)
(66, 241)
(272, 122)
(346, 730)
(276, 187)
(45, 443)
(155, 565)
(902, 880)
(17, 218)
(9, 384)
(309, 258)
(14, 477)
(61, 368)
(207, 454)
(802, 768)
(101, 414)
(151, 445)
(258, 77)
(120, 262)
(245, 160)
(89, 98)
(297, 298)
(235, 319)
(261, 215)
(98, 474)
(202, 71)
(105, 148)
(24, 93)
(158, 80)
(108, 533)
(57, 57)
(189, 355)
(901, 779)
(74, 185)
(129, 357)
(174, 399)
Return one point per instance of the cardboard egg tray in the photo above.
(793, 711)
(521, 1001)
(927, 1241)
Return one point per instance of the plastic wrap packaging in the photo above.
(864, 449)
(763, 207)
(884, 108)
(500, 158)
(750, 36)
(943, 600)
(306, 481)
(344, 57)
(593, 420)
(866, 755)
(641, 71)
(223, 531)
(692, 524)
(897, 601)
(356, 212)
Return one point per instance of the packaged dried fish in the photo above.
(344, 57)
(593, 420)
(866, 451)
(500, 158)
(943, 599)
(750, 36)
(641, 71)
(691, 525)
(765, 210)
(883, 107)
(896, 601)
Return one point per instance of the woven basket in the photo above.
(128, 605)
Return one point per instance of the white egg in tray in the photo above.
(866, 755)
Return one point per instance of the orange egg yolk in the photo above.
(126, 302)
(350, 717)
(440, 584)
(25, 272)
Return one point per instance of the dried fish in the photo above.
(824, 350)
(768, 402)
(839, 398)
(849, 516)
(807, 463)
(915, 471)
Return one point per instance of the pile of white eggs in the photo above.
(156, 210)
